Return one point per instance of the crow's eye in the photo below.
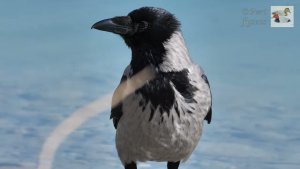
(142, 26)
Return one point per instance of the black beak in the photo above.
(120, 25)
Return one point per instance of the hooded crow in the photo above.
(162, 119)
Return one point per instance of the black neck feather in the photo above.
(146, 55)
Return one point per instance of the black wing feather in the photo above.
(116, 111)
(116, 114)
(209, 114)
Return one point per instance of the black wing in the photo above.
(116, 111)
(209, 114)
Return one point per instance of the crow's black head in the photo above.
(142, 27)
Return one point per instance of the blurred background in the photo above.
(52, 63)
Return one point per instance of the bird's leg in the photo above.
(173, 165)
(131, 165)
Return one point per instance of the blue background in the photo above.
(51, 64)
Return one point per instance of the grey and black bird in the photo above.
(161, 120)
